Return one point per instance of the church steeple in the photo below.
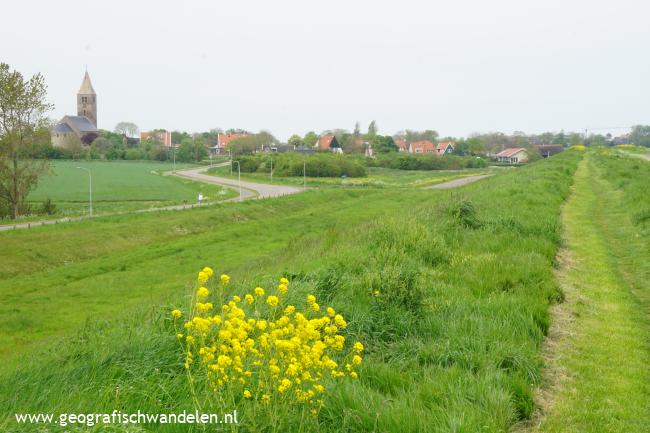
(87, 100)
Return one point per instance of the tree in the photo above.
(640, 135)
(575, 139)
(372, 129)
(413, 136)
(357, 130)
(127, 128)
(22, 128)
(295, 140)
(192, 149)
(310, 138)
(383, 144)
(236, 131)
(251, 143)
(72, 147)
(177, 137)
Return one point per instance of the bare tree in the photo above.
(127, 128)
(22, 127)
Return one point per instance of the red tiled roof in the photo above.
(224, 139)
(442, 146)
(425, 145)
(164, 136)
(507, 153)
(401, 144)
(325, 141)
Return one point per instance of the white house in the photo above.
(513, 155)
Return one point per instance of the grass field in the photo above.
(118, 187)
(452, 341)
(377, 177)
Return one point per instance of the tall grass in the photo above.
(450, 293)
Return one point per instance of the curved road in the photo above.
(248, 189)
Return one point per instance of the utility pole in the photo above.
(238, 177)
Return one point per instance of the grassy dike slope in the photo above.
(465, 280)
(603, 359)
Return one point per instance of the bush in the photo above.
(291, 165)
(409, 161)
(48, 208)
(133, 154)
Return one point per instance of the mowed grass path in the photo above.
(119, 186)
(603, 360)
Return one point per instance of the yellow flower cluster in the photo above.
(260, 348)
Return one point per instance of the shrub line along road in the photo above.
(249, 190)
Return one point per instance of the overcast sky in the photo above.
(291, 66)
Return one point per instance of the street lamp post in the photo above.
(238, 177)
(90, 189)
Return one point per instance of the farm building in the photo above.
(513, 155)
(547, 150)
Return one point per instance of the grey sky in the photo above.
(298, 65)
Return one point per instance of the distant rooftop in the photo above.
(81, 123)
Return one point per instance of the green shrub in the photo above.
(410, 161)
(48, 208)
(292, 165)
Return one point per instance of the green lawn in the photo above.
(378, 177)
(118, 186)
(452, 342)
(599, 367)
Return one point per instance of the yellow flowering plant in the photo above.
(258, 348)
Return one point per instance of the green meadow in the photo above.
(451, 293)
(118, 186)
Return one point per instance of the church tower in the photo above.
(87, 100)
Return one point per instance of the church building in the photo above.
(83, 126)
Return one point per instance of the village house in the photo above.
(223, 140)
(513, 155)
(401, 145)
(165, 137)
(445, 147)
(424, 146)
(328, 142)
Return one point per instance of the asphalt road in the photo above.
(248, 189)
